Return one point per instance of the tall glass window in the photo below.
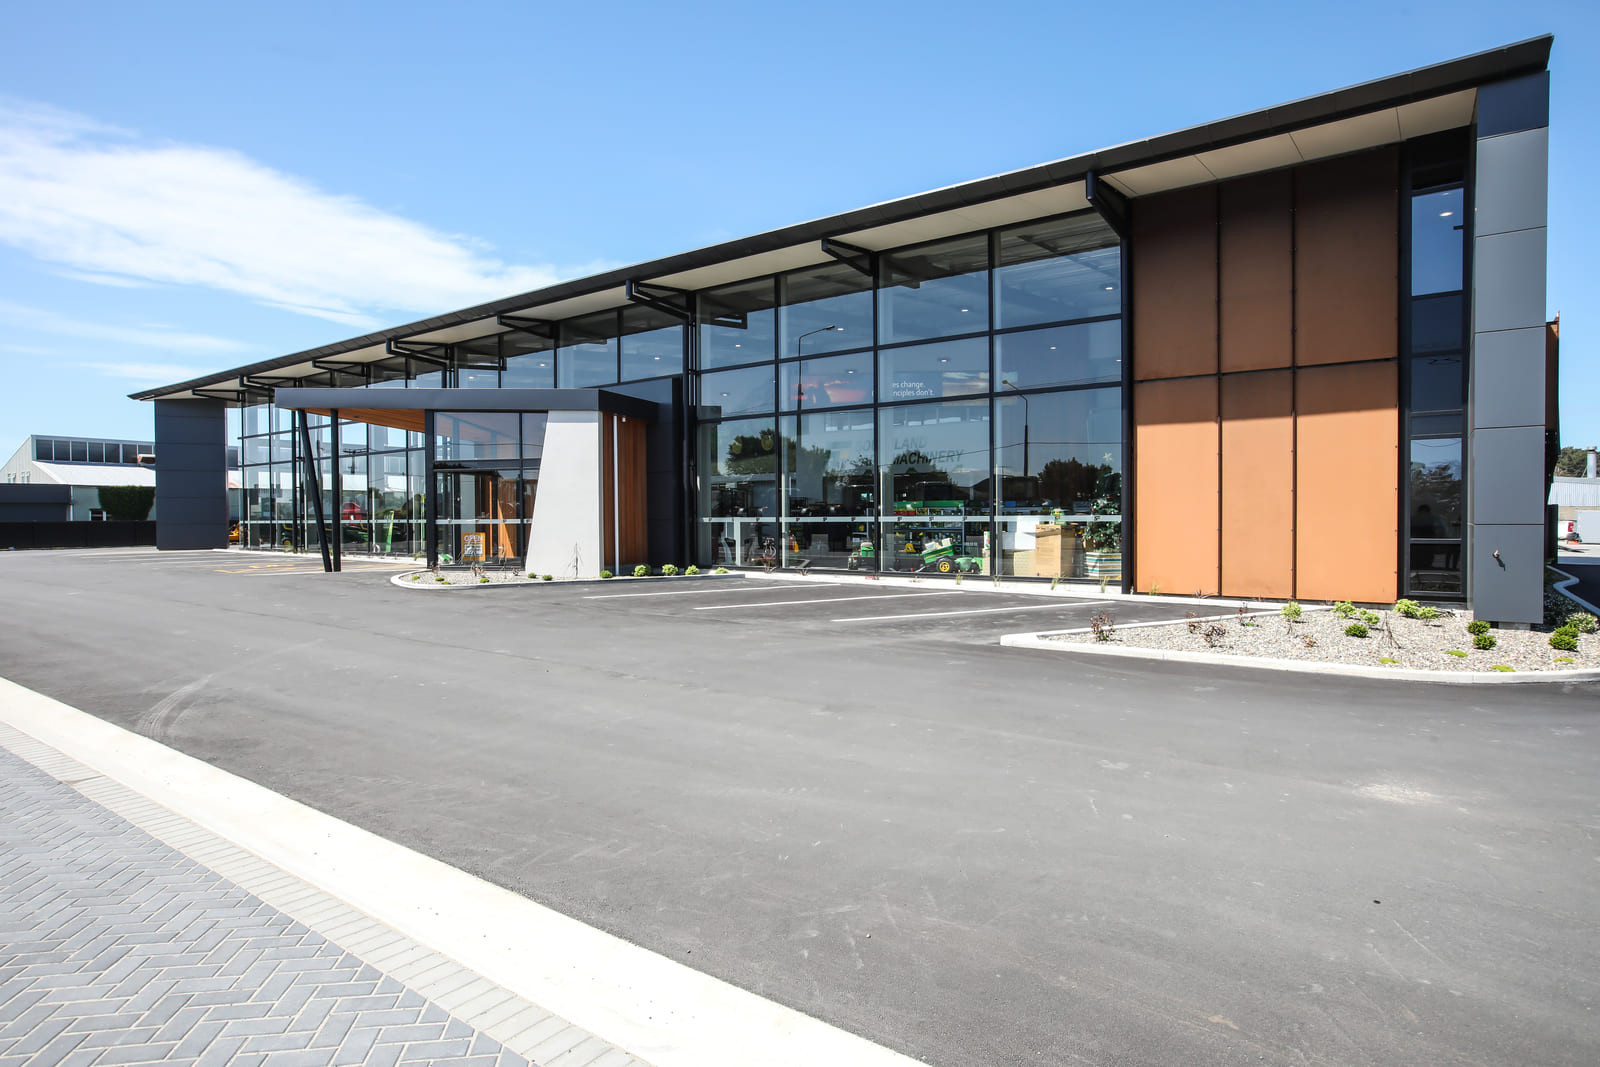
(826, 383)
(745, 391)
(830, 474)
(1435, 390)
(530, 361)
(1056, 271)
(588, 353)
(943, 368)
(934, 290)
(651, 343)
(738, 323)
(1060, 355)
(825, 309)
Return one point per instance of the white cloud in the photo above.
(42, 320)
(146, 373)
(117, 210)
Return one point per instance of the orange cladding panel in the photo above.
(1347, 259)
(1348, 472)
(1257, 273)
(1175, 485)
(1175, 284)
(1258, 484)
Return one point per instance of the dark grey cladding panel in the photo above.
(1509, 588)
(34, 493)
(185, 537)
(1514, 105)
(193, 510)
(191, 474)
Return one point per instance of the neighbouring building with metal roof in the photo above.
(1298, 353)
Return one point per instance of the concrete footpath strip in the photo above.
(505, 975)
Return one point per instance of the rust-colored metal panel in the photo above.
(1175, 284)
(1175, 485)
(1257, 273)
(623, 506)
(1347, 258)
(1258, 484)
(1347, 430)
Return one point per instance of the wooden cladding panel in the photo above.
(397, 418)
(1175, 284)
(623, 492)
(1347, 259)
(1258, 484)
(1256, 305)
(1348, 469)
(1175, 442)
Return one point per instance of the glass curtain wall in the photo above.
(940, 408)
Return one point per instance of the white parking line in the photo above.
(829, 600)
(691, 592)
(974, 611)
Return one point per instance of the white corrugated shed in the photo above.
(95, 474)
(1575, 492)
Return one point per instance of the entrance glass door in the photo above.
(480, 514)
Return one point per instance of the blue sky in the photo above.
(189, 187)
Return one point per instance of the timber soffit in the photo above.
(1468, 72)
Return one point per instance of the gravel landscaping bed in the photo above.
(1403, 643)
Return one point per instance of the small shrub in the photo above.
(1371, 618)
(1387, 659)
(1564, 640)
(1455, 652)
(1483, 642)
(1194, 622)
(1408, 609)
(531, 576)
(1355, 629)
(1244, 617)
(416, 577)
(691, 569)
(1155, 588)
(1477, 627)
(1213, 634)
(1502, 667)
(1292, 611)
(1565, 659)
(1310, 641)
(670, 569)
(1582, 621)
(720, 570)
(483, 581)
(1427, 613)
(547, 577)
(605, 574)
(442, 578)
(1344, 609)
(1103, 626)
(642, 571)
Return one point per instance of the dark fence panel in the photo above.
(21, 535)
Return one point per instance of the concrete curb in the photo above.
(1565, 589)
(1347, 670)
(403, 580)
(985, 584)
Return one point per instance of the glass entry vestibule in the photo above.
(548, 479)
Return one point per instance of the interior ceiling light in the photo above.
(1446, 214)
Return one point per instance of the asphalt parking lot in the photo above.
(869, 811)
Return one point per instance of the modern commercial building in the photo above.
(79, 467)
(1296, 353)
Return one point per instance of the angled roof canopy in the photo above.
(1384, 111)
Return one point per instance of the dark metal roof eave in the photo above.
(1439, 79)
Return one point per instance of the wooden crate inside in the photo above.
(1054, 551)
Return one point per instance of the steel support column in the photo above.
(430, 506)
(316, 487)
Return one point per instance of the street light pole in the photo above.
(1025, 421)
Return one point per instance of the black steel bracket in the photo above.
(418, 351)
(862, 259)
(662, 298)
(537, 327)
(365, 369)
(1112, 205)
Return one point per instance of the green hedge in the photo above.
(127, 503)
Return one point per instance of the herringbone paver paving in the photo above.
(117, 949)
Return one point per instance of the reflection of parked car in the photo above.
(352, 512)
